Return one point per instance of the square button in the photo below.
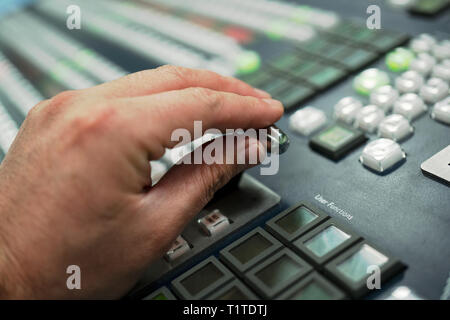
(295, 221)
(337, 140)
(244, 253)
(382, 155)
(313, 287)
(307, 120)
(325, 242)
(202, 279)
(179, 248)
(235, 290)
(294, 95)
(352, 268)
(161, 294)
(277, 273)
(395, 127)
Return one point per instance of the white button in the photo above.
(213, 223)
(441, 50)
(441, 111)
(395, 127)
(442, 70)
(422, 43)
(423, 63)
(368, 118)
(384, 97)
(382, 154)
(178, 248)
(409, 81)
(346, 109)
(307, 120)
(435, 89)
(410, 105)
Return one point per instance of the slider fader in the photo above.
(362, 186)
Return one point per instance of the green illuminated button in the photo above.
(336, 141)
(257, 79)
(352, 268)
(354, 58)
(294, 95)
(277, 29)
(276, 273)
(325, 242)
(313, 287)
(202, 279)
(386, 40)
(235, 290)
(295, 221)
(275, 86)
(285, 62)
(248, 62)
(161, 294)
(249, 250)
(429, 7)
(399, 59)
(323, 76)
(369, 80)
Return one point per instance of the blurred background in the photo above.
(302, 52)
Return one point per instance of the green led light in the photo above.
(160, 296)
(301, 14)
(369, 80)
(84, 57)
(59, 71)
(399, 59)
(277, 30)
(248, 62)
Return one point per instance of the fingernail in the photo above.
(262, 93)
(273, 103)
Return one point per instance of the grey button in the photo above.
(395, 127)
(441, 50)
(368, 118)
(423, 63)
(346, 109)
(422, 43)
(384, 97)
(434, 90)
(442, 70)
(410, 105)
(409, 81)
(441, 111)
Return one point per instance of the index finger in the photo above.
(168, 78)
(156, 117)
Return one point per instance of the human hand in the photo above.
(75, 185)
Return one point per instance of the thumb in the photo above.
(187, 188)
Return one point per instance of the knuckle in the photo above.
(93, 119)
(48, 109)
(179, 73)
(36, 110)
(62, 99)
(209, 98)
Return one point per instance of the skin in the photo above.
(74, 187)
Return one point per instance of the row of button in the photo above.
(317, 258)
(71, 50)
(211, 225)
(45, 62)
